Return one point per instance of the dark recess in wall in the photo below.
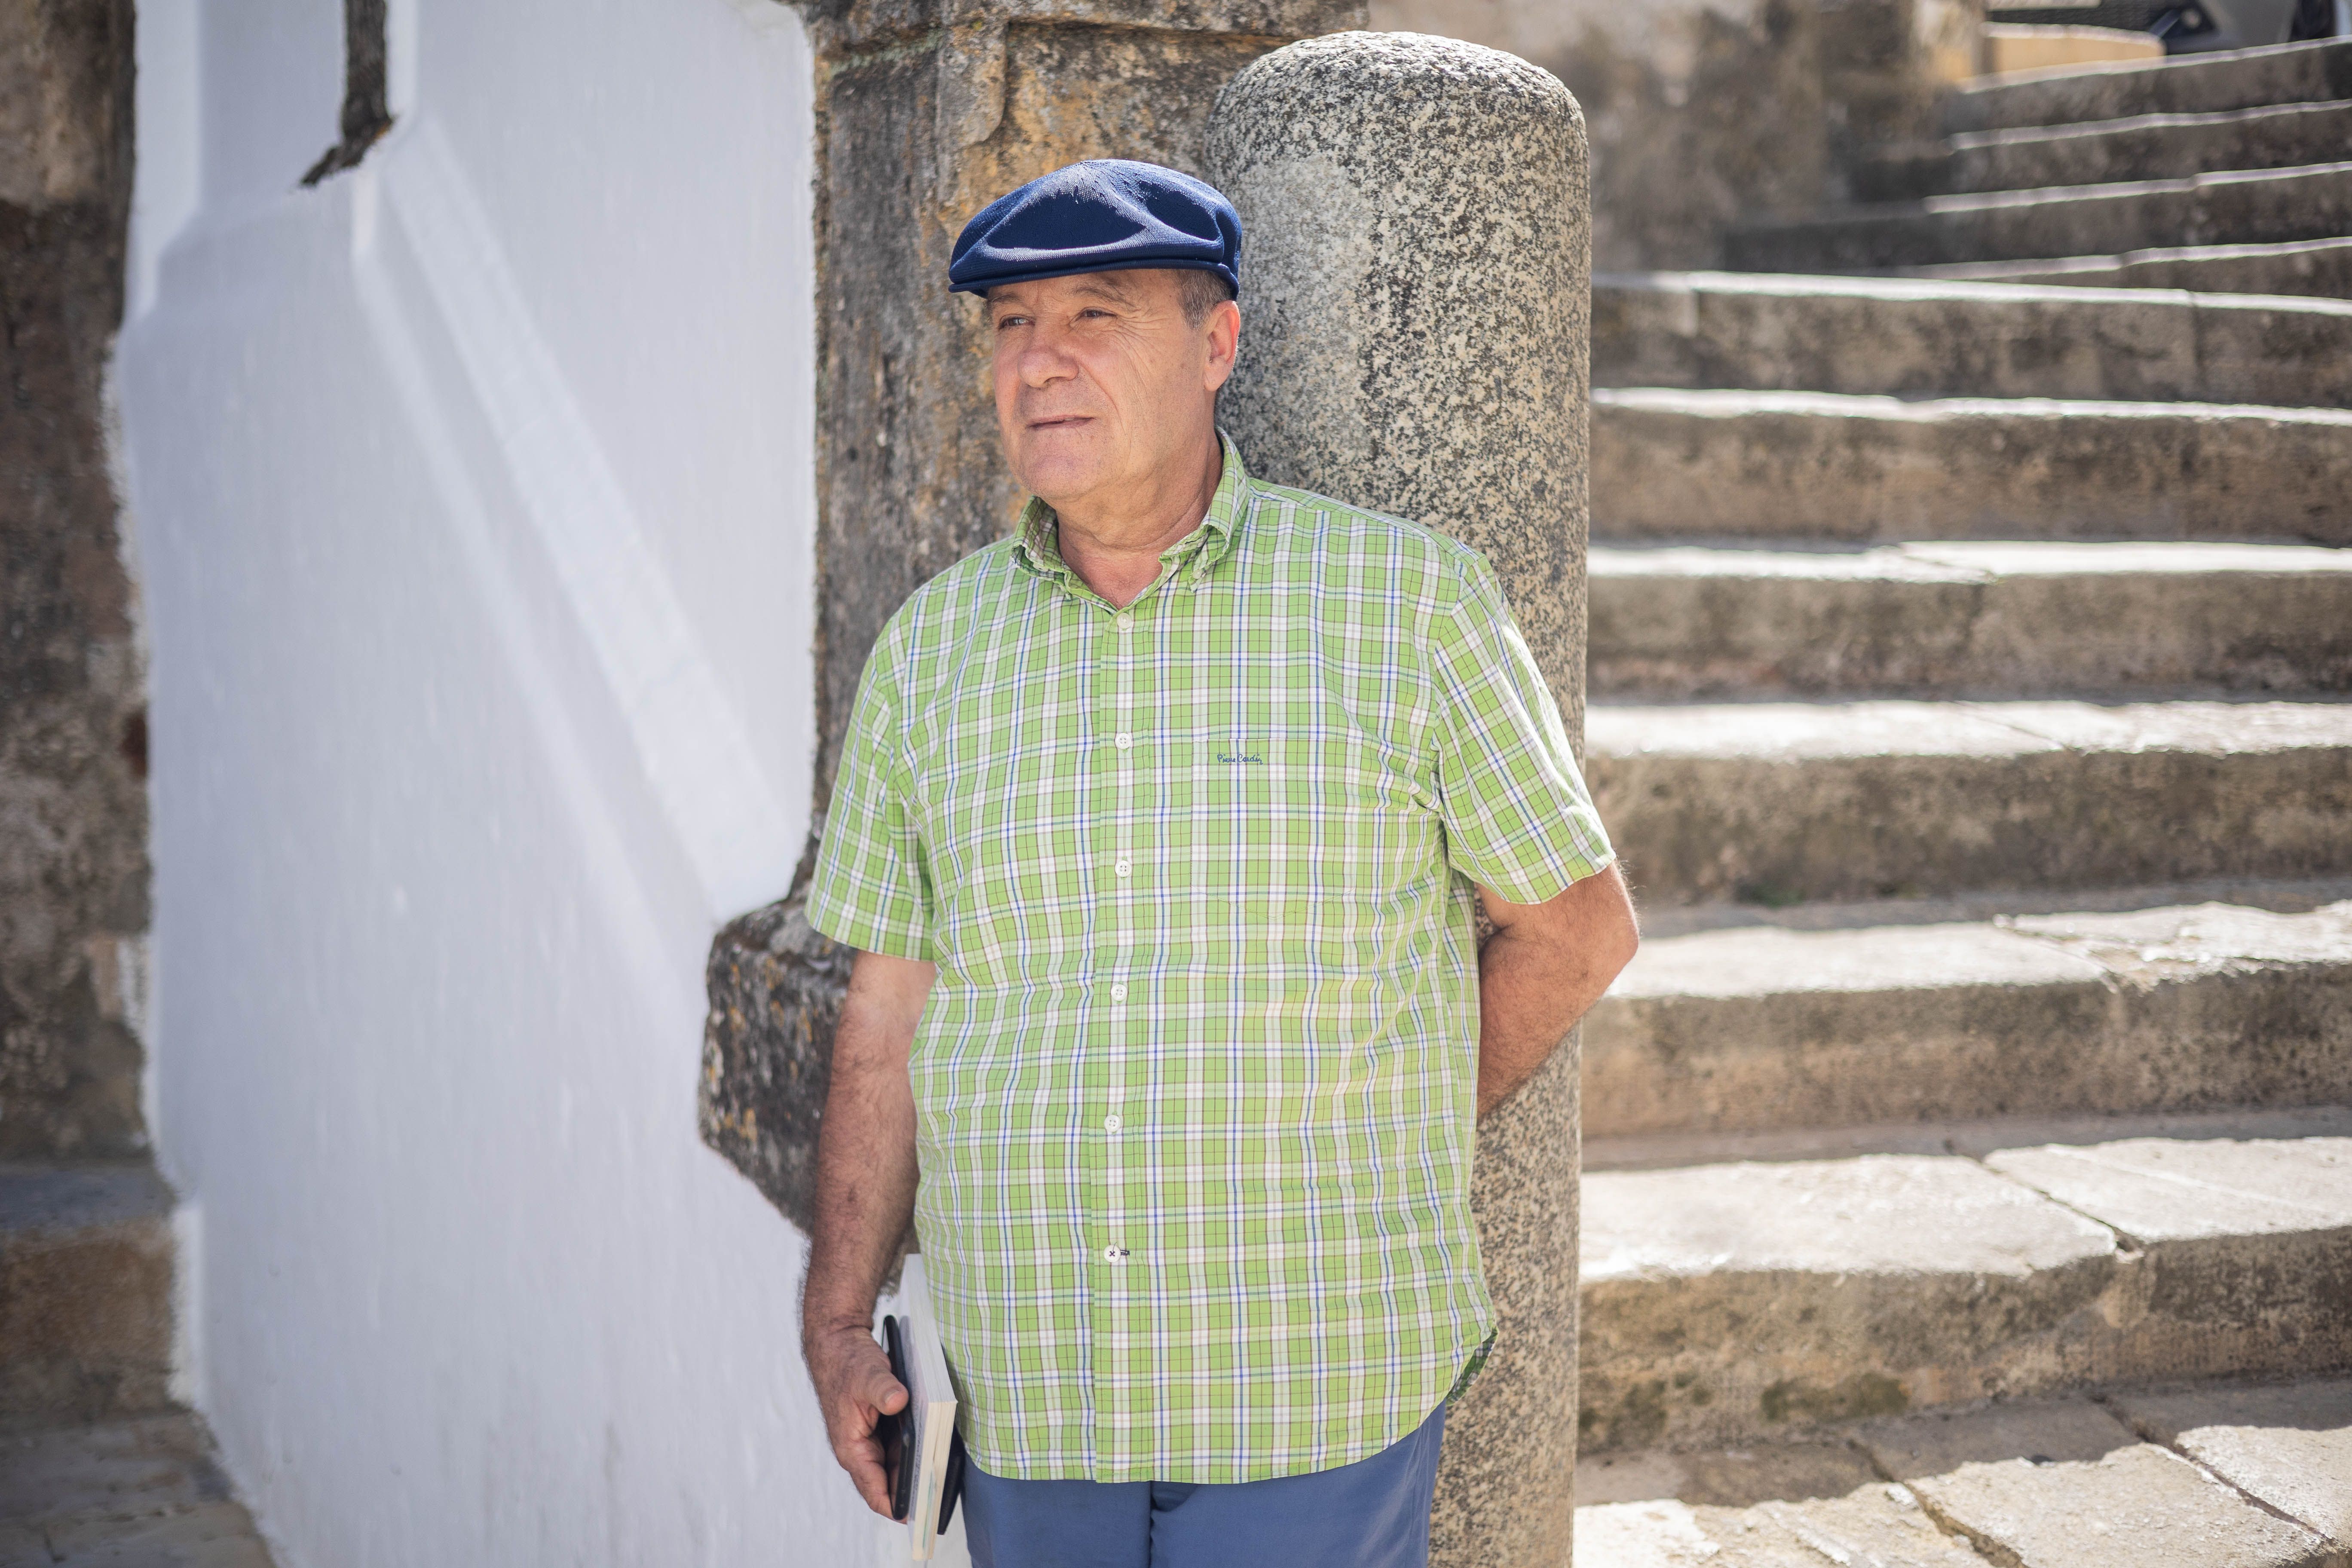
(367, 114)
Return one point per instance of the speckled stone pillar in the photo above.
(1416, 293)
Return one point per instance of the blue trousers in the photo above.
(1373, 1513)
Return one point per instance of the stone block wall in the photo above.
(73, 811)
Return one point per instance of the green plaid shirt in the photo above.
(1194, 1090)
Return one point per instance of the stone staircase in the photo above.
(1971, 666)
(2225, 172)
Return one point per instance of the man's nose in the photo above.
(1043, 361)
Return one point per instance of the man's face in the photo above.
(1101, 381)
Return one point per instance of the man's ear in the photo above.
(1224, 330)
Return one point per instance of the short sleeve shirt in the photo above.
(1196, 1082)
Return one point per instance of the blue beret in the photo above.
(1101, 215)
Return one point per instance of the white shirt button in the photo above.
(1122, 868)
(1111, 1122)
(1125, 621)
(1125, 740)
(1113, 1254)
(1118, 993)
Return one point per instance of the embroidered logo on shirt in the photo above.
(1239, 757)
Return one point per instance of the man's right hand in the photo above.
(855, 1389)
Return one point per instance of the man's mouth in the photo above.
(1061, 422)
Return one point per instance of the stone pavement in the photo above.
(2244, 1476)
(139, 1492)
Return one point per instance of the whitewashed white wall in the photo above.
(473, 499)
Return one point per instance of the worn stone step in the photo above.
(1769, 1027)
(2258, 1474)
(1675, 463)
(2312, 268)
(84, 1290)
(2189, 84)
(2143, 147)
(2287, 1446)
(1788, 1503)
(2236, 207)
(1969, 617)
(1723, 1304)
(131, 1492)
(1871, 1523)
(1970, 1136)
(1778, 803)
(1778, 332)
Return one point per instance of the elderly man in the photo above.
(1161, 830)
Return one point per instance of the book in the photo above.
(925, 1485)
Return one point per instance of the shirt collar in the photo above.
(1194, 556)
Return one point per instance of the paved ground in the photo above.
(2245, 1476)
(137, 1492)
(2240, 1476)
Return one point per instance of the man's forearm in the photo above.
(1542, 971)
(864, 1195)
(866, 1169)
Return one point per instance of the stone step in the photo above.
(143, 1491)
(1724, 1303)
(2313, 268)
(2287, 1445)
(1783, 803)
(2254, 207)
(1775, 1028)
(1969, 617)
(2258, 1474)
(1970, 1136)
(84, 1290)
(1772, 332)
(2144, 147)
(2191, 84)
(1673, 463)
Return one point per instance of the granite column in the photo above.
(1416, 303)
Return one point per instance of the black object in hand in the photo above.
(953, 1487)
(897, 1464)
